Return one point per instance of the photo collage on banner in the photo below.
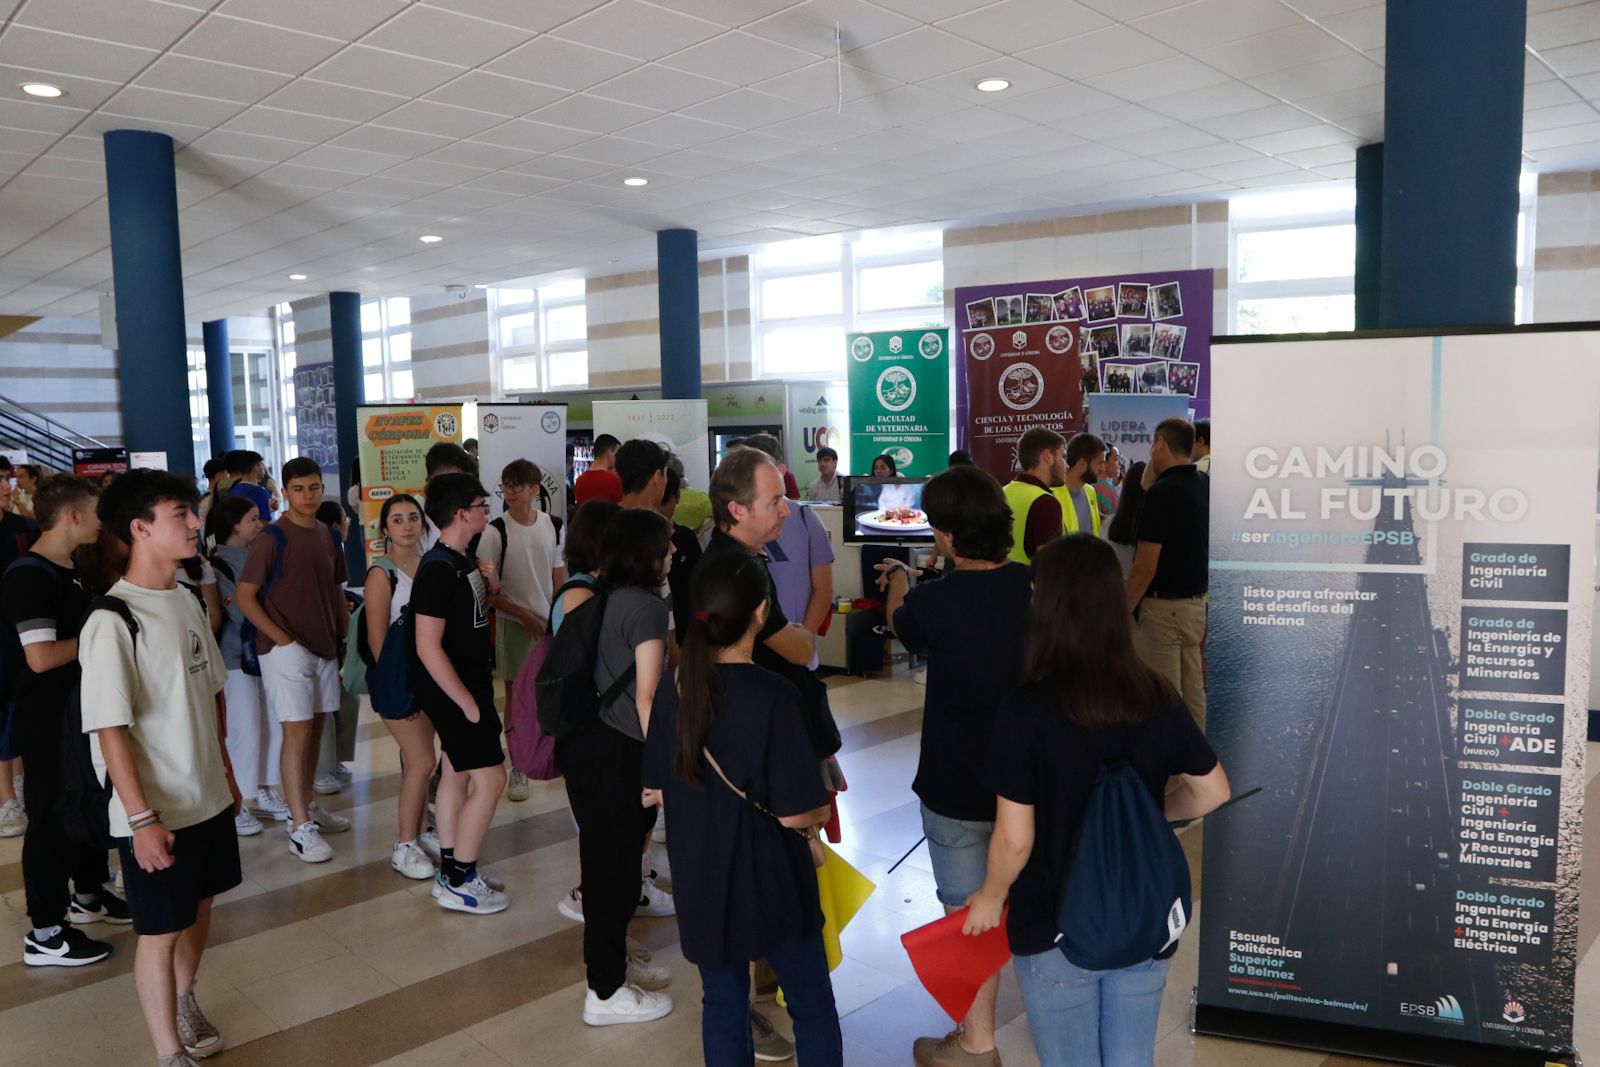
(392, 444)
(1398, 656)
(316, 426)
(535, 432)
(899, 400)
(1134, 334)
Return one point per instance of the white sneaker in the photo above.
(657, 866)
(516, 786)
(270, 804)
(659, 834)
(647, 975)
(246, 824)
(474, 897)
(488, 879)
(571, 906)
(630, 1004)
(346, 776)
(636, 951)
(654, 902)
(306, 843)
(330, 823)
(412, 862)
(326, 785)
(428, 841)
(13, 821)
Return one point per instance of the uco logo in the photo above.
(550, 422)
(1514, 1012)
(896, 345)
(981, 346)
(901, 455)
(1058, 340)
(861, 349)
(1021, 386)
(930, 346)
(491, 423)
(195, 647)
(444, 424)
(1019, 340)
(896, 389)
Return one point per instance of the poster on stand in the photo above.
(899, 400)
(1137, 333)
(817, 419)
(535, 432)
(1128, 423)
(1399, 656)
(392, 442)
(316, 427)
(679, 426)
(98, 462)
(1020, 378)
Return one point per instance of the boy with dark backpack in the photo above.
(148, 698)
(44, 601)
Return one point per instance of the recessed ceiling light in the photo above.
(993, 85)
(430, 239)
(43, 89)
(480, 287)
(636, 181)
(297, 277)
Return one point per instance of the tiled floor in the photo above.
(346, 963)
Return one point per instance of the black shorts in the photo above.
(470, 745)
(205, 862)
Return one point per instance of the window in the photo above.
(541, 337)
(1294, 262)
(386, 350)
(809, 293)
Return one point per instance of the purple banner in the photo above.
(1146, 333)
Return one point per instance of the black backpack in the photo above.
(84, 802)
(565, 692)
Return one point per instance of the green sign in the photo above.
(900, 399)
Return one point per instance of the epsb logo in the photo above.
(1447, 1009)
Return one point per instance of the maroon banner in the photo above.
(1019, 378)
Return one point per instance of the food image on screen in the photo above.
(890, 509)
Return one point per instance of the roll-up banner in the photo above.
(679, 426)
(535, 432)
(1019, 379)
(1128, 423)
(1400, 615)
(817, 414)
(899, 400)
(393, 443)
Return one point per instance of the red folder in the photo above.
(953, 966)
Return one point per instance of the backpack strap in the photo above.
(282, 541)
(118, 606)
(224, 568)
(499, 523)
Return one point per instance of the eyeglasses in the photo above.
(474, 507)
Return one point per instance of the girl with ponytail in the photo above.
(729, 754)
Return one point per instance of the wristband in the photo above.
(137, 816)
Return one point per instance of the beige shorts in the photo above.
(299, 685)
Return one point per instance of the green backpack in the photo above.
(358, 655)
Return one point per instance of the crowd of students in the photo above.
(206, 664)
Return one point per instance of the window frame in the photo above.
(541, 350)
(1320, 285)
(388, 366)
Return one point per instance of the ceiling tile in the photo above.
(202, 77)
(370, 68)
(1256, 123)
(659, 87)
(1038, 22)
(1550, 118)
(1114, 48)
(254, 44)
(1363, 28)
(679, 131)
(637, 29)
(1206, 23)
(741, 58)
(350, 160)
(921, 54)
(1568, 25)
(1308, 137)
(564, 167)
(1213, 100)
(345, 102)
(444, 35)
(1350, 71)
(81, 92)
(581, 111)
(249, 145)
(690, 164)
(819, 85)
(1291, 46)
(1049, 104)
(140, 103)
(749, 147)
(496, 94)
(1166, 76)
(909, 103)
(532, 136)
(1337, 106)
(822, 127)
(539, 17)
(1546, 94)
(407, 143)
(433, 172)
(180, 132)
(619, 151)
(62, 53)
(552, 61)
(423, 116)
(1568, 60)
(348, 19)
(301, 177)
(131, 22)
(972, 123)
(810, 25)
(747, 108)
(515, 184)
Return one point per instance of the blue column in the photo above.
(147, 275)
(1451, 161)
(678, 289)
(219, 385)
(1369, 234)
(344, 328)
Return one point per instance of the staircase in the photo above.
(47, 442)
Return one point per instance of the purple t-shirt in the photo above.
(801, 545)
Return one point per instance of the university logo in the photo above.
(491, 422)
(896, 345)
(861, 349)
(901, 455)
(896, 388)
(981, 346)
(1058, 340)
(550, 422)
(930, 346)
(444, 424)
(1021, 386)
(1019, 340)
(1514, 1012)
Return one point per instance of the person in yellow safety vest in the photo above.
(1080, 510)
(1035, 513)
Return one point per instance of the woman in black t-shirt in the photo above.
(742, 874)
(1086, 692)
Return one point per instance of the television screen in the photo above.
(885, 509)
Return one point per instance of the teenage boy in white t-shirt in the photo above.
(523, 586)
(149, 704)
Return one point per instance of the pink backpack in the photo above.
(533, 752)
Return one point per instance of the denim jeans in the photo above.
(960, 854)
(802, 969)
(1091, 1018)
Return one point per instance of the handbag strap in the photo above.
(740, 793)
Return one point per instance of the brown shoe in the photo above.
(946, 1051)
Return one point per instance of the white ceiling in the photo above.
(324, 136)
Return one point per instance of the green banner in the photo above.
(900, 399)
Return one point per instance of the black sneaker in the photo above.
(69, 948)
(106, 908)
